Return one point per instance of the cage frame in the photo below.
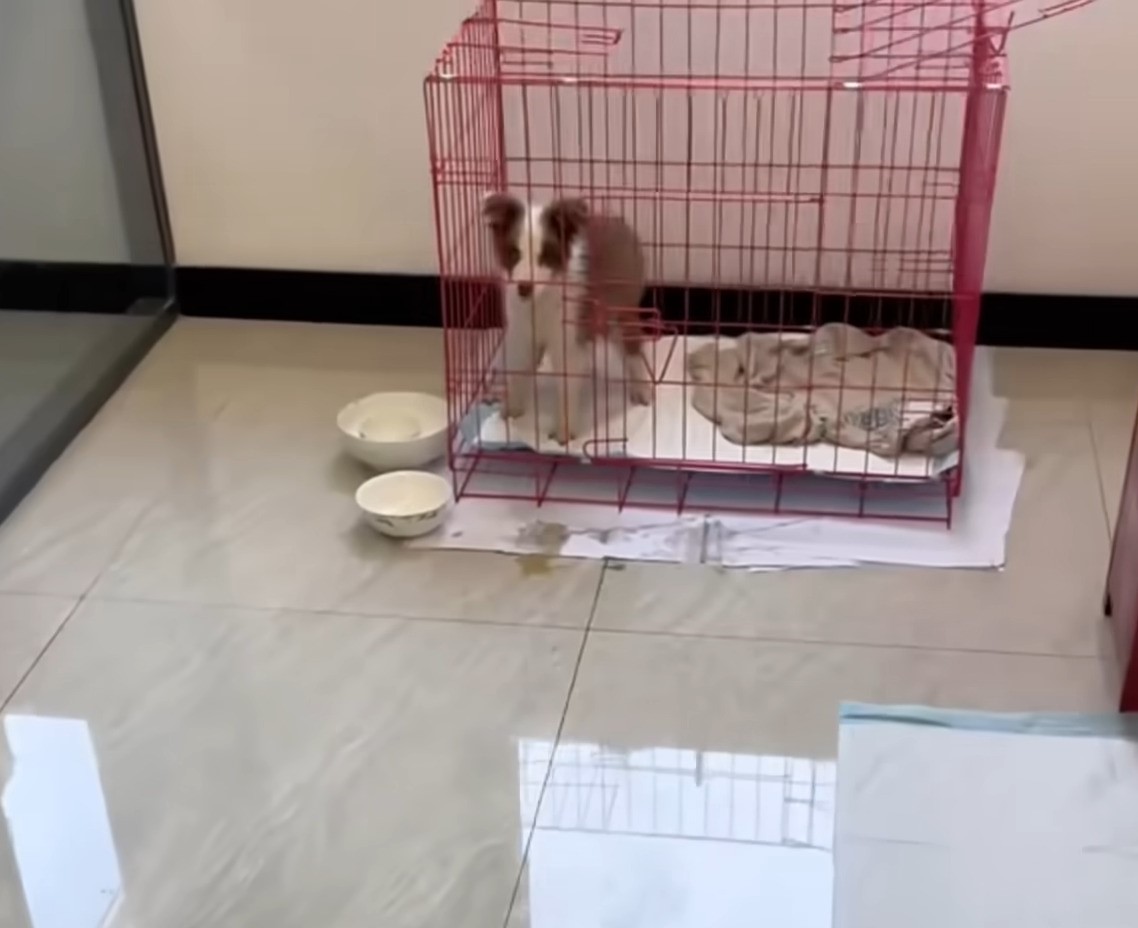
(870, 54)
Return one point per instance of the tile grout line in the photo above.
(837, 643)
(554, 626)
(79, 601)
(42, 652)
(556, 742)
(323, 612)
(1098, 471)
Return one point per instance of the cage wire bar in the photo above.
(787, 165)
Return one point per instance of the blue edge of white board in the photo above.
(1073, 725)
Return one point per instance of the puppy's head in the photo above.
(533, 243)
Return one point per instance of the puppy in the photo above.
(572, 278)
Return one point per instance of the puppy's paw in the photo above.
(562, 433)
(640, 393)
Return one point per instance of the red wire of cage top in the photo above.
(894, 38)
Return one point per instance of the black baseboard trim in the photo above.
(1011, 319)
(414, 300)
(1023, 320)
(81, 288)
(310, 296)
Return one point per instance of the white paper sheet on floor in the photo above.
(981, 519)
(974, 820)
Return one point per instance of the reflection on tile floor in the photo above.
(262, 769)
(666, 836)
(260, 714)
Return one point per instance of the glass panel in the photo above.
(86, 281)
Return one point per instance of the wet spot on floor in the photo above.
(547, 538)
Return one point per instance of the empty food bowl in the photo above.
(394, 431)
(405, 503)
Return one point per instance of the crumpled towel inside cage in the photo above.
(891, 394)
(949, 819)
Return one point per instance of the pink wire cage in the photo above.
(786, 165)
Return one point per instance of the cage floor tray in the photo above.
(670, 431)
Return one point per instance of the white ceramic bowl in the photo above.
(405, 503)
(394, 431)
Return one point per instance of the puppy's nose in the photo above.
(525, 290)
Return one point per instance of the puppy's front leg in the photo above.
(639, 374)
(519, 355)
(569, 363)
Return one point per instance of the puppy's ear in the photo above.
(501, 212)
(562, 221)
(565, 218)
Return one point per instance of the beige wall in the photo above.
(1067, 202)
(292, 136)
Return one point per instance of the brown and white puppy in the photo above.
(572, 278)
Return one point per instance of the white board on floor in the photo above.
(975, 820)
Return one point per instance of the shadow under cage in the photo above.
(811, 186)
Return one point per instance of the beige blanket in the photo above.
(891, 394)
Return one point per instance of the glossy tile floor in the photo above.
(229, 704)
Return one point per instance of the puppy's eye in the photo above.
(550, 256)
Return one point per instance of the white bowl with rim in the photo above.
(394, 431)
(405, 503)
